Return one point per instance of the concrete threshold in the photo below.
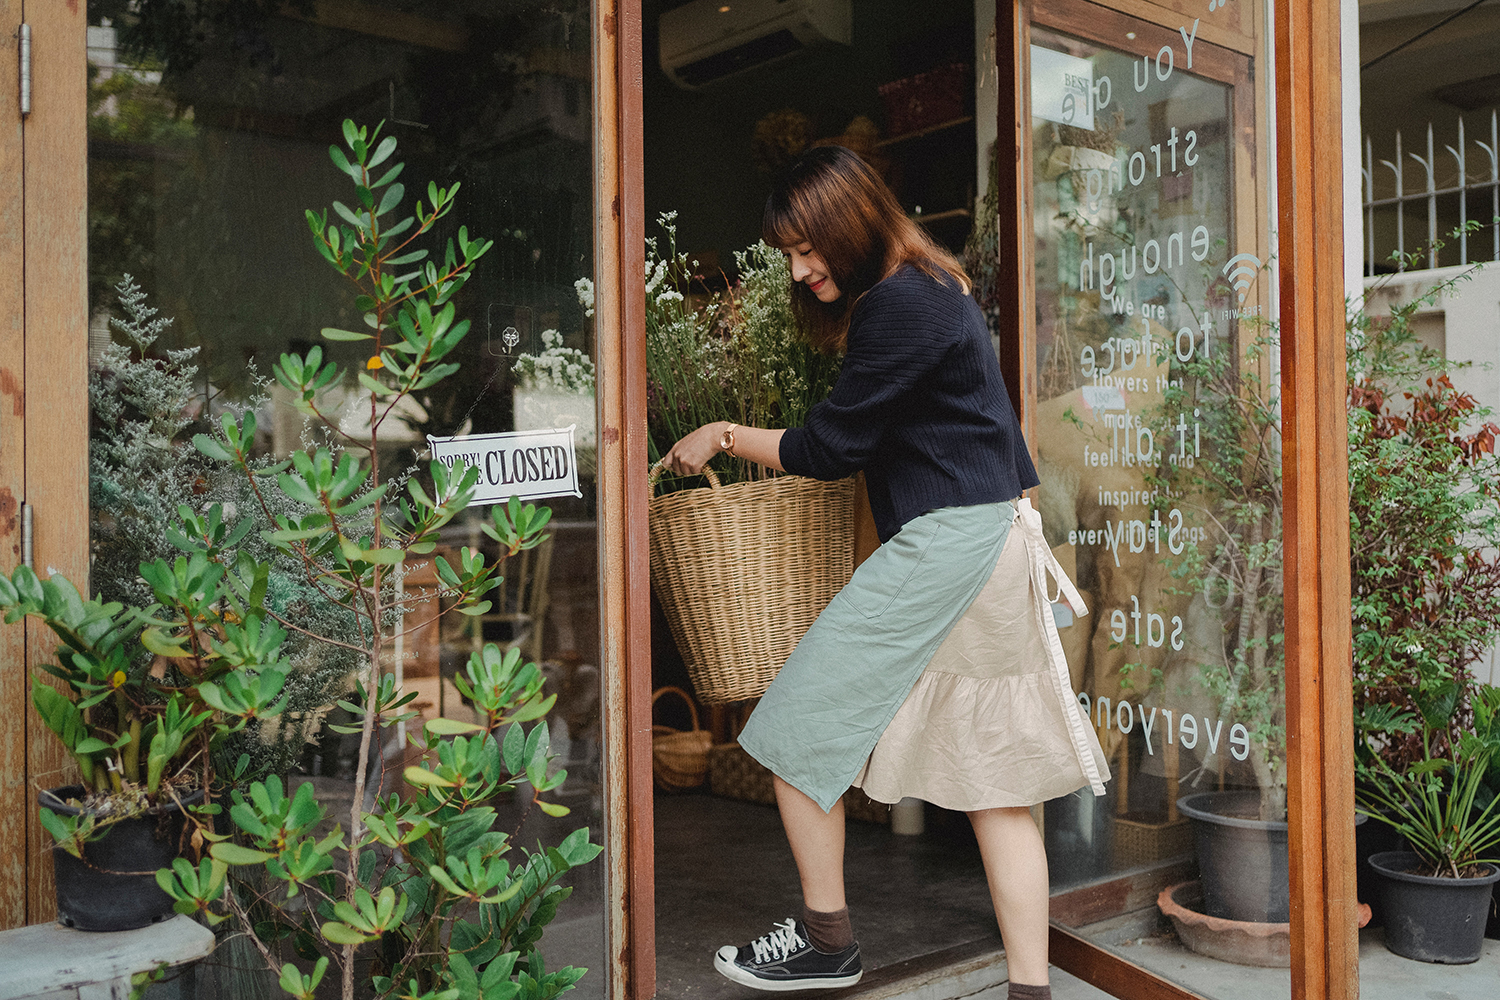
(974, 971)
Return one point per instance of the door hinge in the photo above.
(25, 50)
(27, 550)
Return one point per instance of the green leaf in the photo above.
(234, 854)
(213, 449)
(333, 333)
(422, 776)
(552, 808)
(341, 933)
(451, 727)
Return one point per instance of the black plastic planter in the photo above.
(1242, 859)
(114, 887)
(1432, 919)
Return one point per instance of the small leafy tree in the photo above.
(1424, 523)
(424, 882)
(1234, 485)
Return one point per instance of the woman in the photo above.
(936, 672)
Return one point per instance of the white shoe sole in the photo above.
(735, 973)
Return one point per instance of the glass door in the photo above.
(1156, 428)
(209, 130)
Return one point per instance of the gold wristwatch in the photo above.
(726, 440)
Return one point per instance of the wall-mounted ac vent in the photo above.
(708, 40)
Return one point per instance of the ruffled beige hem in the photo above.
(992, 723)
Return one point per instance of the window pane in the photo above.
(209, 139)
(1157, 434)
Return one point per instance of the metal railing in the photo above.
(1472, 177)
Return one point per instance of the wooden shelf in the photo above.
(952, 213)
(929, 130)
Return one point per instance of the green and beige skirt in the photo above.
(936, 673)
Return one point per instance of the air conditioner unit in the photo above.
(708, 40)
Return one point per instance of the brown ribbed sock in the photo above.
(1020, 991)
(829, 933)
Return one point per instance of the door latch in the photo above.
(25, 50)
(28, 553)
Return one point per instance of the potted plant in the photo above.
(1436, 896)
(143, 732)
(737, 357)
(422, 897)
(146, 404)
(1235, 578)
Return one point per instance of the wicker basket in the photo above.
(1140, 842)
(679, 759)
(741, 572)
(734, 774)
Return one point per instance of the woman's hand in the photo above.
(692, 453)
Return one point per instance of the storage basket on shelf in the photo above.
(741, 571)
(679, 758)
(734, 774)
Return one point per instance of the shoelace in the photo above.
(779, 943)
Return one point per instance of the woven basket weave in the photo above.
(679, 758)
(734, 774)
(741, 572)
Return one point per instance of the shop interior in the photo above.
(902, 93)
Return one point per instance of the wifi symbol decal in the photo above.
(1242, 269)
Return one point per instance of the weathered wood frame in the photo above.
(625, 595)
(44, 382)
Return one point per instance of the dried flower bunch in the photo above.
(734, 356)
(556, 368)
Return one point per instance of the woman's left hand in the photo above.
(692, 453)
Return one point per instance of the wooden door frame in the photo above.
(44, 351)
(13, 715)
(1320, 731)
(44, 381)
(625, 596)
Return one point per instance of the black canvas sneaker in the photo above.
(785, 960)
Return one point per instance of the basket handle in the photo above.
(669, 689)
(660, 467)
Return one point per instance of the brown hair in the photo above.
(833, 200)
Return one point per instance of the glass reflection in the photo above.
(1157, 433)
(209, 131)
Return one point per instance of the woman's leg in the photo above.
(1015, 863)
(817, 840)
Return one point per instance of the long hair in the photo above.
(833, 200)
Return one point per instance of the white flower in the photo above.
(585, 289)
(655, 275)
(1414, 648)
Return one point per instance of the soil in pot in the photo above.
(113, 888)
(1241, 858)
(1432, 919)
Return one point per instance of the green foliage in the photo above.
(112, 704)
(1438, 799)
(1234, 485)
(734, 356)
(1424, 519)
(423, 883)
(145, 404)
(436, 891)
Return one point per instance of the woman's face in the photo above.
(808, 267)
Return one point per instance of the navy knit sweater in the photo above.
(919, 405)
